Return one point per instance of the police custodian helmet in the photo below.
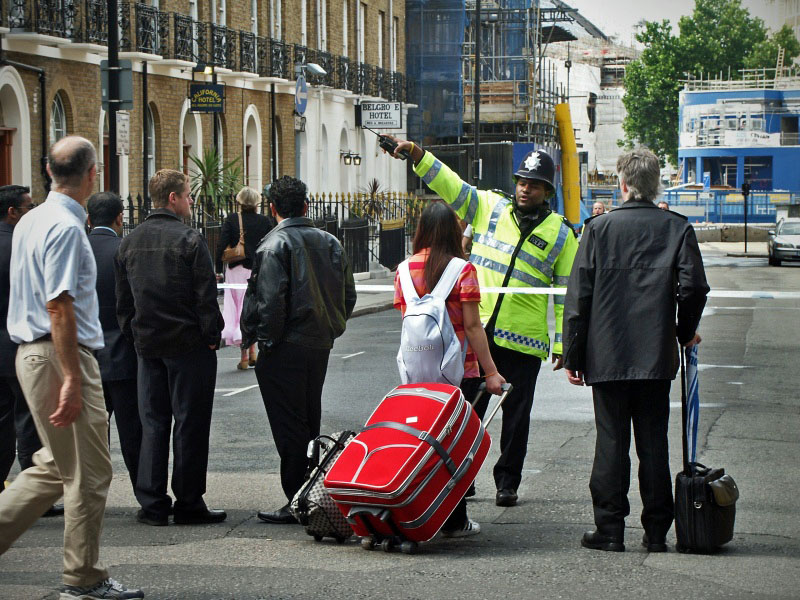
(539, 166)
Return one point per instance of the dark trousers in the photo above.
(291, 378)
(179, 388)
(616, 405)
(18, 436)
(520, 370)
(122, 402)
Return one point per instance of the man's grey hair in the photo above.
(70, 159)
(641, 172)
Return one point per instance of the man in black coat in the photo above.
(298, 300)
(635, 266)
(16, 423)
(167, 304)
(117, 360)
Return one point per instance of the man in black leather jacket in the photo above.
(167, 304)
(635, 267)
(298, 300)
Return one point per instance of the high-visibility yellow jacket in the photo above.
(544, 260)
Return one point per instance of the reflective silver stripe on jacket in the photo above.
(493, 265)
(561, 280)
(563, 231)
(432, 172)
(521, 339)
(543, 267)
(496, 212)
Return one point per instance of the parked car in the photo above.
(784, 241)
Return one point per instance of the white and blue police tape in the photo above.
(375, 289)
(692, 402)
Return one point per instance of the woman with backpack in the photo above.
(437, 241)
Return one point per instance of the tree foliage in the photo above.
(719, 37)
(765, 53)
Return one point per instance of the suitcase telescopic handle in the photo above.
(507, 387)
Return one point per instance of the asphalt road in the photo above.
(750, 419)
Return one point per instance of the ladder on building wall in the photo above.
(779, 63)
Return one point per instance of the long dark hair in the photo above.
(439, 230)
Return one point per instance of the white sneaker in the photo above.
(107, 589)
(471, 528)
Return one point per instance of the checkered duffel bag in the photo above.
(312, 505)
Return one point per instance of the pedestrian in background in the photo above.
(117, 359)
(53, 315)
(167, 304)
(298, 300)
(255, 227)
(437, 240)
(18, 435)
(634, 268)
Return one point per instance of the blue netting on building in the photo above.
(434, 40)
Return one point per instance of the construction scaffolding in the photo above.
(518, 90)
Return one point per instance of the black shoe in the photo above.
(594, 540)
(54, 511)
(147, 518)
(471, 491)
(656, 545)
(203, 517)
(506, 497)
(282, 516)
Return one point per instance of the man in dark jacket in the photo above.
(16, 423)
(167, 304)
(634, 267)
(298, 300)
(117, 359)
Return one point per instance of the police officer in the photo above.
(518, 242)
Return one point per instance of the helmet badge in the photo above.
(532, 162)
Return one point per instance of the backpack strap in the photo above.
(406, 283)
(449, 277)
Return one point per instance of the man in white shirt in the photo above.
(53, 315)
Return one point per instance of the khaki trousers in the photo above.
(74, 462)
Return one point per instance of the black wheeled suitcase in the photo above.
(312, 506)
(705, 498)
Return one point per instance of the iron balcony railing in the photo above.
(144, 28)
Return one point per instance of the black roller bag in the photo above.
(312, 506)
(705, 498)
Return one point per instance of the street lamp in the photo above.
(347, 158)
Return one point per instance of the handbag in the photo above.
(705, 498)
(235, 253)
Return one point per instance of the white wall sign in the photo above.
(123, 133)
(382, 115)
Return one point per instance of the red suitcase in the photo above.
(400, 478)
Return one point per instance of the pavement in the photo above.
(737, 249)
(749, 424)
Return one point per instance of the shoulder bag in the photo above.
(235, 253)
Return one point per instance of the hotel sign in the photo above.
(207, 97)
(379, 115)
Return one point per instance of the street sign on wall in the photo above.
(123, 133)
(380, 115)
(207, 97)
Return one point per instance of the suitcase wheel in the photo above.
(368, 543)
(387, 545)
(409, 547)
(317, 537)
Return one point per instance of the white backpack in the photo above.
(429, 348)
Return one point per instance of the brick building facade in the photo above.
(256, 48)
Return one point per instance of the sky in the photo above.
(620, 16)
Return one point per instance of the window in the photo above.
(58, 120)
(151, 143)
(275, 17)
(381, 25)
(362, 15)
(393, 50)
(304, 23)
(344, 28)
